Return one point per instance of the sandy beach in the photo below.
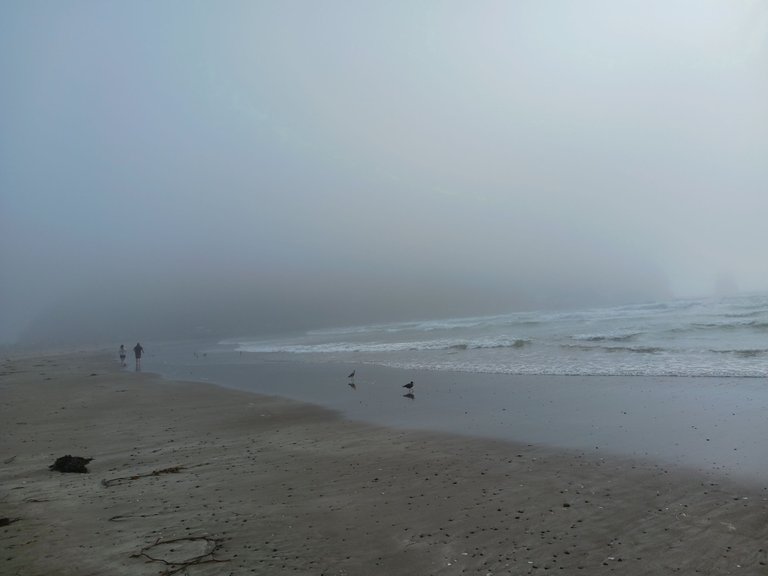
(197, 479)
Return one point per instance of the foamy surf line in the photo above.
(707, 337)
(525, 357)
(355, 347)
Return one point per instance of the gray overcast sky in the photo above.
(280, 163)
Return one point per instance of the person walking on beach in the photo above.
(137, 350)
(122, 355)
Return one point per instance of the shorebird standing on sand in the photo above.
(409, 385)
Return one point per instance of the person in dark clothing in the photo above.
(137, 350)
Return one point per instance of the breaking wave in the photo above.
(607, 337)
(613, 349)
(724, 336)
(344, 347)
(752, 353)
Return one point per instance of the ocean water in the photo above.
(687, 383)
(699, 337)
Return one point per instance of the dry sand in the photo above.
(278, 487)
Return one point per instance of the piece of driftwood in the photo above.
(123, 517)
(176, 566)
(70, 464)
(114, 481)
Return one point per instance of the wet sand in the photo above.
(251, 484)
(710, 425)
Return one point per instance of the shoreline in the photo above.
(284, 487)
(712, 426)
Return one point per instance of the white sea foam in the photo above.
(398, 346)
(708, 337)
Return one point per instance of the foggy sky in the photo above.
(241, 167)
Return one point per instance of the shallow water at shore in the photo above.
(714, 425)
